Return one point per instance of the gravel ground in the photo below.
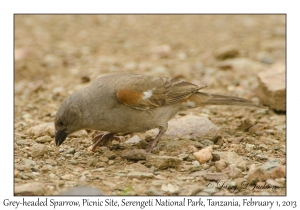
(55, 55)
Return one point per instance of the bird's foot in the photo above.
(153, 149)
(102, 140)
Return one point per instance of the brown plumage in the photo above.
(127, 103)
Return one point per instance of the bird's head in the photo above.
(67, 120)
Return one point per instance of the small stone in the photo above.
(163, 162)
(23, 142)
(158, 183)
(271, 164)
(39, 150)
(220, 165)
(216, 176)
(31, 189)
(245, 125)
(278, 172)
(46, 168)
(233, 158)
(210, 191)
(257, 129)
(81, 133)
(203, 155)
(225, 52)
(272, 86)
(153, 191)
(183, 178)
(257, 173)
(249, 147)
(138, 174)
(103, 159)
(191, 190)
(133, 140)
(68, 177)
(52, 176)
(41, 130)
(138, 167)
(109, 184)
(161, 51)
(183, 156)
(272, 183)
(70, 151)
(241, 183)
(233, 171)
(195, 163)
(28, 162)
(171, 189)
(43, 139)
(83, 191)
(110, 162)
(109, 154)
(207, 142)
(135, 154)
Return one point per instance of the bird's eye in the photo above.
(60, 123)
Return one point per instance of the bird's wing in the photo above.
(146, 92)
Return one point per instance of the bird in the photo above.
(132, 103)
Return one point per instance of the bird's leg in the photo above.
(102, 140)
(162, 130)
(97, 137)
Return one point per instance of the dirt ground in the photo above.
(55, 55)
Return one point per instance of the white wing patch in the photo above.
(190, 104)
(147, 94)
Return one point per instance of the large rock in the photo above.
(272, 87)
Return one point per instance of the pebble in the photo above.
(183, 178)
(133, 140)
(220, 165)
(103, 159)
(134, 154)
(209, 191)
(70, 151)
(249, 147)
(163, 162)
(227, 51)
(195, 163)
(271, 164)
(153, 191)
(138, 174)
(257, 129)
(207, 142)
(233, 171)
(158, 183)
(23, 142)
(233, 158)
(189, 190)
(203, 155)
(257, 173)
(81, 133)
(41, 130)
(29, 189)
(278, 172)
(83, 191)
(216, 176)
(170, 188)
(39, 150)
(43, 139)
(28, 162)
(68, 177)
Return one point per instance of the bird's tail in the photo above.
(216, 99)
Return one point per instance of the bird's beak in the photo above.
(60, 137)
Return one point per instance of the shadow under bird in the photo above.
(128, 103)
